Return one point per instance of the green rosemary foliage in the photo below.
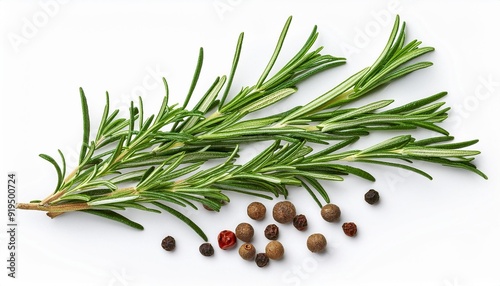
(154, 162)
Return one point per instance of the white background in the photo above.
(443, 232)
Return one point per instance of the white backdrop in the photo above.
(443, 232)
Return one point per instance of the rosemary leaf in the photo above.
(109, 214)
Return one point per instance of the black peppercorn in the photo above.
(350, 229)
(284, 212)
(168, 243)
(372, 197)
(261, 259)
(272, 232)
(206, 249)
(300, 222)
(256, 211)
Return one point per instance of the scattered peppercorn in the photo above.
(284, 212)
(226, 239)
(244, 231)
(168, 243)
(247, 251)
(316, 242)
(261, 259)
(275, 250)
(272, 232)
(300, 222)
(330, 212)
(350, 229)
(207, 208)
(256, 211)
(206, 249)
(372, 197)
(220, 202)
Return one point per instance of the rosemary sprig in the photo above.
(139, 161)
(294, 164)
(228, 123)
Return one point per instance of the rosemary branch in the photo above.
(158, 160)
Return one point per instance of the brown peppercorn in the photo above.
(275, 250)
(244, 231)
(272, 232)
(330, 212)
(316, 242)
(284, 212)
(206, 249)
(168, 243)
(372, 197)
(261, 260)
(247, 251)
(350, 229)
(256, 211)
(220, 202)
(208, 208)
(300, 222)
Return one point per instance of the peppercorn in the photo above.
(168, 243)
(300, 222)
(350, 229)
(275, 250)
(372, 197)
(272, 232)
(220, 202)
(226, 239)
(247, 251)
(284, 212)
(316, 242)
(207, 208)
(244, 231)
(256, 211)
(330, 212)
(206, 249)
(261, 259)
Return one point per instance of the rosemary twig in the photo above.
(150, 163)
